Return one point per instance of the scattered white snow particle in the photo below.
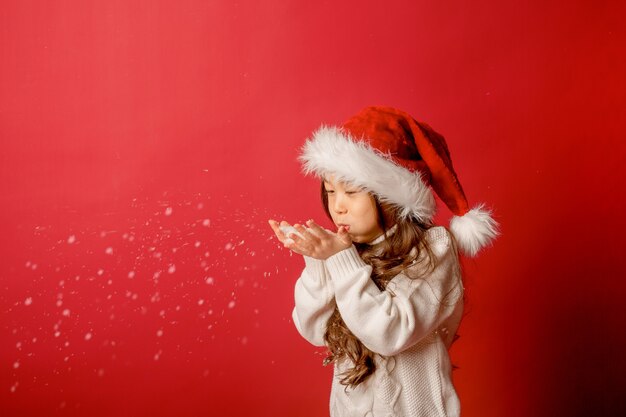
(157, 355)
(229, 246)
(61, 283)
(14, 387)
(206, 222)
(200, 302)
(66, 312)
(199, 206)
(109, 251)
(231, 304)
(18, 345)
(100, 372)
(210, 311)
(71, 239)
(171, 269)
(88, 336)
(100, 272)
(16, 364)
(57, 333)
(209, 280)
(168, 211)
(159, 333)
(197, 244)
(59, 303)
(34, 266)
(131, 274)
(28, 301)
(244, 340)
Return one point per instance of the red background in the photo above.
(146, 143)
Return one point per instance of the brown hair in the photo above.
(388, 258)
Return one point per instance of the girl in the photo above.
(384, 293)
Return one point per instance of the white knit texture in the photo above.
(408, 331)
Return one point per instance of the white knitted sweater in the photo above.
(410, 326)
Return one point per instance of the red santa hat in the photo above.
(402, 161)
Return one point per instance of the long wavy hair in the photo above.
(388, 258)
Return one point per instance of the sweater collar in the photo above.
(380, 238)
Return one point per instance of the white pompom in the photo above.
(474, 230)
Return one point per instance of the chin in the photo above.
(356, 239)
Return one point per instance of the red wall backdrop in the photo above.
(144, 144)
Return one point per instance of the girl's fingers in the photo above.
(300, 242)
(295, 247)
(316, 229)
(290, 244)
(275, 227)
(342, 234)
(291, 241)
(306, 233)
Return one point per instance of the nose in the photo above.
(339, 205)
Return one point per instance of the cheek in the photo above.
(368, 214)
(373, 218)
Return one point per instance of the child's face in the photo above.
(354, 208)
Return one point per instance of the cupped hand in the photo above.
(315, 241)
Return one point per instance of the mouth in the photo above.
(346, 226)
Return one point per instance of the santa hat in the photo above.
(402, 161)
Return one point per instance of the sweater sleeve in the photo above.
(390, 321)
(315, 301)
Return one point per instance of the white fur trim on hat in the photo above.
(474, 230)
(333, 151)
